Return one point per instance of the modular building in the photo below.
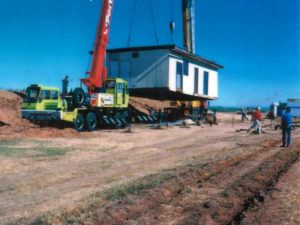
(274, 108)
(165, 72)
(294, 104)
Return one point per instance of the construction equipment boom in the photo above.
(98, 72)
(188, 12)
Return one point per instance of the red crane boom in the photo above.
(98, 73)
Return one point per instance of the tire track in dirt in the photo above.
(204, 189)
(282, 203)
(182, 200)
(225, 206)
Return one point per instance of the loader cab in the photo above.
(38, 97)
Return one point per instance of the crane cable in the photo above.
(153, 20)
(131, 22)
(172, 22)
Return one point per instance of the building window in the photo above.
(185, 67)
(196, 84)
(205, 83)
(179, 77)
(113, 56)
(135, 55)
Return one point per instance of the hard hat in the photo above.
(258, 108)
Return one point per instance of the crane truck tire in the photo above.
(78, 97)
(91, 121)
(79, 123)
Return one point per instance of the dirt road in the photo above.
(42, 175)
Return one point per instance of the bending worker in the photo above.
(256, 118)
(286, 125)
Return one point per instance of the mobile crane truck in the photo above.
(105, 103)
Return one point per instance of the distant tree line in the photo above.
(13, 90)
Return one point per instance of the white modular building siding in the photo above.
(164, 72)
(141, 69)
(191, 85)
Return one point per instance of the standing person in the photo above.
(215, 117)
(244, 115)
(286, 125)
(65, 84)
(256, 118)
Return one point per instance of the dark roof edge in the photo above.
(140, 48)
(173, 48)
(182, 52)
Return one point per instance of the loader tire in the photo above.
(92, 121)
(78, 97)
(79, 123)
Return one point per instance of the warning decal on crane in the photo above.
(102, 100)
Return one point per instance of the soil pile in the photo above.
(144, 105)
(10, 110)
(13, 126)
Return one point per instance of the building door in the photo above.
(179, 77)
(196, 84)
(205, 83)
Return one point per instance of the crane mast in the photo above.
(188, 12)
(98, 72)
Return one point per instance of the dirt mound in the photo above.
(10, 109)
(145, 105)
(13, 126)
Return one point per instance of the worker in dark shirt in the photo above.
(244, 114)
(65, 84)
(286, 125)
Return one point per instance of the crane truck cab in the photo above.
(114, 94)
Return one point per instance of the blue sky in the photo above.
(257, 41)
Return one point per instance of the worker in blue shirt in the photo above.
(286, 124)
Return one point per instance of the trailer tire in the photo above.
(91, 121)
(79, 123)
(78, 97)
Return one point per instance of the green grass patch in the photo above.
(7, 148)
(136, 187)
(87, 208)
(52, 151)
(39, 221)
(31, 149)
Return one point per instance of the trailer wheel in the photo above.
(79, 123)
(78, 97)
(91, 121)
